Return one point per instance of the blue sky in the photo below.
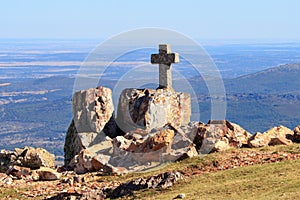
(199, 19)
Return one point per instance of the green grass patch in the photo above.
(267, 181)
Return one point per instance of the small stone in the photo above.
(180, 196)
(48, 174)
(78, 179)
(8, 180)
(35, 176)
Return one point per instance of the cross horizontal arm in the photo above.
(164, 58)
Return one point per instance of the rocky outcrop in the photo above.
(29, 164)
(30, 157)
(33, 158)
(219, 136)
(93, 112)
(274, 136)
(152, 127)
(148, 109)
(157, 114)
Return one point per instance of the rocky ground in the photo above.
(95, 186)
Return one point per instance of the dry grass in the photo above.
(268, 181)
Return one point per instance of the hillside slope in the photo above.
(279, 79)
(263, 173)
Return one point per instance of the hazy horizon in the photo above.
(198, 19)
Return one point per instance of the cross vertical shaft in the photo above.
(165, 59)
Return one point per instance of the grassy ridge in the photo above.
(268, 181)
(280, 180)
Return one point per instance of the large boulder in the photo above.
(297, 134)
(274, 136)
(5, 160)
(93, 120)
(220, 135)
(258, 140)
(148, 109)
(33, 158)
(92, 109)
(47, 174)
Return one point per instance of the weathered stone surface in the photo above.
(134, 152)
(82, 162)
(47, 174)
(35, 158)
(297, 134)
(35, 176)
(18, 171)
(87, 161)
(274, 136)
(219, 136)
(159, 140)
(180, 196)
(5, 160)
(258, 140)
(148, 109)
(5, 179)
(165, 59)
(164, 180)
(222, 144)
(145, 109)
(73, 144)
(180, 154)
(280, 135)
(92, 109)
(30, 157)
(190, 131)
(93, 120)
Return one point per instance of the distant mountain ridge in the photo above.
(279, 79)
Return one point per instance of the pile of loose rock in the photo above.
(28, 163)
(138, 150)
(151, 127)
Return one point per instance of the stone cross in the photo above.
(165, 59)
